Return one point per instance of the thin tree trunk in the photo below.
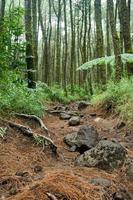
(29, 48)
(99, 40)
(58, 48)
(72, 47)
(65, 51)
(2, 10)
(35, 34)
(116, 41)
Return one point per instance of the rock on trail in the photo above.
(84, 139)
(106, 155)
(74, 121)
(82, 105)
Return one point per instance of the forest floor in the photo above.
(27, 172)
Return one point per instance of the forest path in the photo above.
(28, 172)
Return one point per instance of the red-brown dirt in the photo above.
(20, 158)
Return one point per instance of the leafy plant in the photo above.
(119, 97)
(12, 46)
(126, 58)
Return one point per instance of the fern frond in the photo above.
(125, 57)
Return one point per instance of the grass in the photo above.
(118, 97)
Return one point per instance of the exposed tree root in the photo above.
(40, 139)
(35, 118)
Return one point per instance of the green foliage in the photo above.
(39, 140)
(11, 40)
(126, 58)
(58, 94)
(16, 97)
(119, 96)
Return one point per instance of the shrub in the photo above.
(119, 97)
(16, 97)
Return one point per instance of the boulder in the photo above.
(70, 139)
(65, 116)
(74, 121)
(84, 139)
(82, 105)
(106, 155)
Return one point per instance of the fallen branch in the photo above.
(35, 118)
(40, 139)
(51, 196)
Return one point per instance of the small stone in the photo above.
(74, 121)
(38, 168)
(93, 114)
(82, 105)
(37, 177)
(64, 116)
(122, 194)
(101, 181)
(21, 173)
(13, 191)
(120, 125)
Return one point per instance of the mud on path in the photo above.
(29, 173)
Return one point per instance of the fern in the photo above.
(126, 58)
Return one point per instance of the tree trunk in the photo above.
(108, 52)
(72, 47)
(65, 51)
(116, 41)
(35, 34)
(2, 10)
(29, 48)
(99, 40)
(58, 48)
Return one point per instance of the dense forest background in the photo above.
(64, 50)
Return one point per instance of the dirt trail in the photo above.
(29, 173)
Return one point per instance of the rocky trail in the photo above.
(94, 158)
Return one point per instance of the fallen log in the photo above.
(40, 139)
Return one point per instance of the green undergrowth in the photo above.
(58, 94)
(118, 97)
(16, 97)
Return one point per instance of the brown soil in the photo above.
(27, 172)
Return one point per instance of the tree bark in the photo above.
(65, 51)
(116, 41)
(2, 10)
(99, 40)
(72, 47)
(29, 47)
(35, 34)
